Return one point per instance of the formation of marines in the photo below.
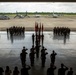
(38, 46)
(61, 31)
(16, 30)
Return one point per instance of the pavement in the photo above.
(10, 50)
(48, 22)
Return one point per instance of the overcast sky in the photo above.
(37, 6)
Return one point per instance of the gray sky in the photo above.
(37, 6)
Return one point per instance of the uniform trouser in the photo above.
(32, 62)
(53, 61)
(43, 62)
(23, 62)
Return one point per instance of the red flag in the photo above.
(42, 28)
(37, 26)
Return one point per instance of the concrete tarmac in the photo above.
(10, 50)
(48, 22)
